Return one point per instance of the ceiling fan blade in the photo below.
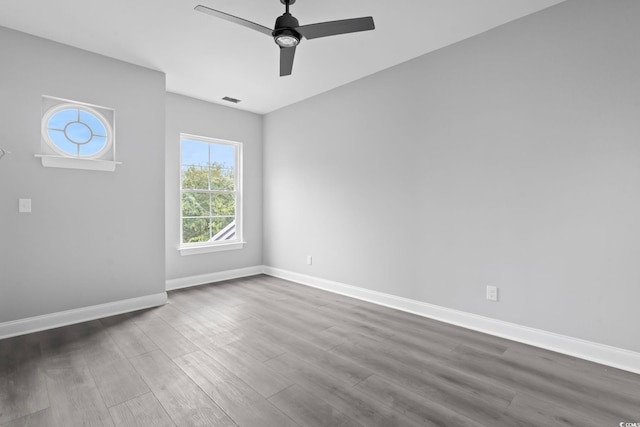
(286, 60)
(234, 19)
(334, 28)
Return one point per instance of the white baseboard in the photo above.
(83, 314)
(595, 352)
(203, 279)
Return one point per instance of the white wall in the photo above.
(93, 237)
(188, 115)
(509, 159)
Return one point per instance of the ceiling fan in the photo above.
(288, 32)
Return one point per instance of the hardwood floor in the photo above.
(266, 352)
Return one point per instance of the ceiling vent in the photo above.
(229, 99)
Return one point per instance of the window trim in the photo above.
(224, 245)
(52, 156)
(48, 115)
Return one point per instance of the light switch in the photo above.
(492, 293)
(24, 205)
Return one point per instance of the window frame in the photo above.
(51, 156)
(223, 245)
(51, 112)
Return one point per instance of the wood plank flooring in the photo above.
(265, 352)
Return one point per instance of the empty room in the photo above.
(274, 213)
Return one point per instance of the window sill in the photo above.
(72, 163)
(195, 250)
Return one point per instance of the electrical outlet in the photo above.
(309, 260)
(492, 293)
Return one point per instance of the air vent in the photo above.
(229, 99)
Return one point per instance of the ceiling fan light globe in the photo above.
(287, 40)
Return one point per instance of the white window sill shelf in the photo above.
(73, 163)
(195, 250)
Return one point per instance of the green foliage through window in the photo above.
(209, 191)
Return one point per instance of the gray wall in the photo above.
(93, 237)
(188, 115)
(509, 159)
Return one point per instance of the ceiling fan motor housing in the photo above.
(285, 26)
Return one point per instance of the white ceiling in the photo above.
(207, 58)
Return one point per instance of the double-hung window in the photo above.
(211, 194)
